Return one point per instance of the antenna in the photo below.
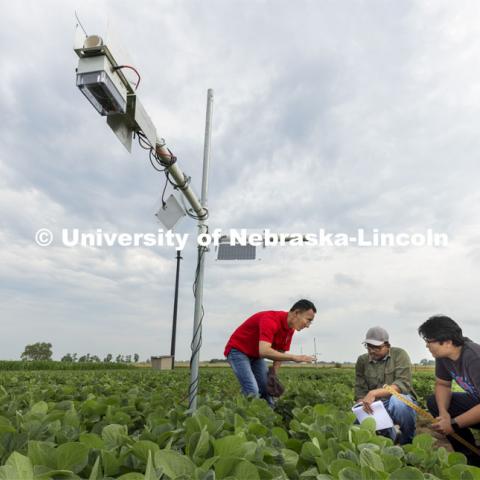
(80, 23)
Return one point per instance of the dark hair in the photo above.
(303, 305)
(441, 328)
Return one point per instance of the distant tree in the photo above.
(108, 358)
(95, 358)
(75, 357)
(136, 357)
(37, 351)
(67, 358)
(83, 358)
(128, 359)
(425, 362)
(118, 359)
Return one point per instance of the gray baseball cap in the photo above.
(376, 336)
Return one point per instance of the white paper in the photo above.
(380, 414)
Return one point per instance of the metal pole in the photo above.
(199, 274)
(175, 305)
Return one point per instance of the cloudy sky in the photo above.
(333, 115)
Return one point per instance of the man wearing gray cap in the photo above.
(386, 365)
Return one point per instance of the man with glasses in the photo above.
(456, 358)
(386, 365)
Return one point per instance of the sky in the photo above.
(327, 115)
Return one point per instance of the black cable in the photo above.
(160, 165)
(198, 217)
(173, 158)
(164, 204)
(154, 162)
(194, 346)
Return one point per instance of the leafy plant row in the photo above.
(132, 424)
(33, 365)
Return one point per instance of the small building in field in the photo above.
(164, 362)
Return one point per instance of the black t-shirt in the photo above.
(465, 371)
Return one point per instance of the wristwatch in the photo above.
(453, 421)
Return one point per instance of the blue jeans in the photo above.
(403, 416)
(251, 373)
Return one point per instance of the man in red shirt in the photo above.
(266, 335)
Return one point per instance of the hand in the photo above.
(303, 358)
(367, 401)
(443, 424)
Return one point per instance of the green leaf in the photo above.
(92, 440)
(360, 435)
(225, 466)
(6, 425)
(39, 408)
(396, 451)
(71, 418)
(407, 473)
(45, 473)
(238, 423)
(111, 464)
(442, 455)
(17, 467)
(310, 452)
(390, 462)
(132, 476)
(350, 473)
(341, 463)
(369, 473)
(280, 433)
(72, 456)
(290, 461)
(42, 453)
(247, 470)
(416, 456)
(457, 458)
(257, 429)
(150, 470)
(369, 424)
(294, 444)
(173, 463)
(310, 474)
(96, 473)
(143, 448)
(424, 441)
(208, 463)
(114, 435)
(202, 447)
(370, 459)
(228, 446)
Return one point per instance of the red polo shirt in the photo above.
(270, 326)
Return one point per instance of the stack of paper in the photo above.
(380, 414)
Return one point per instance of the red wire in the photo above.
(131, 68)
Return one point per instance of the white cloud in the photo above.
(324, 116)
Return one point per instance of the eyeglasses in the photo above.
(368, 346)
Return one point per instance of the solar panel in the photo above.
(236, 252)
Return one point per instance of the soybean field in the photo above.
(134, 424)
